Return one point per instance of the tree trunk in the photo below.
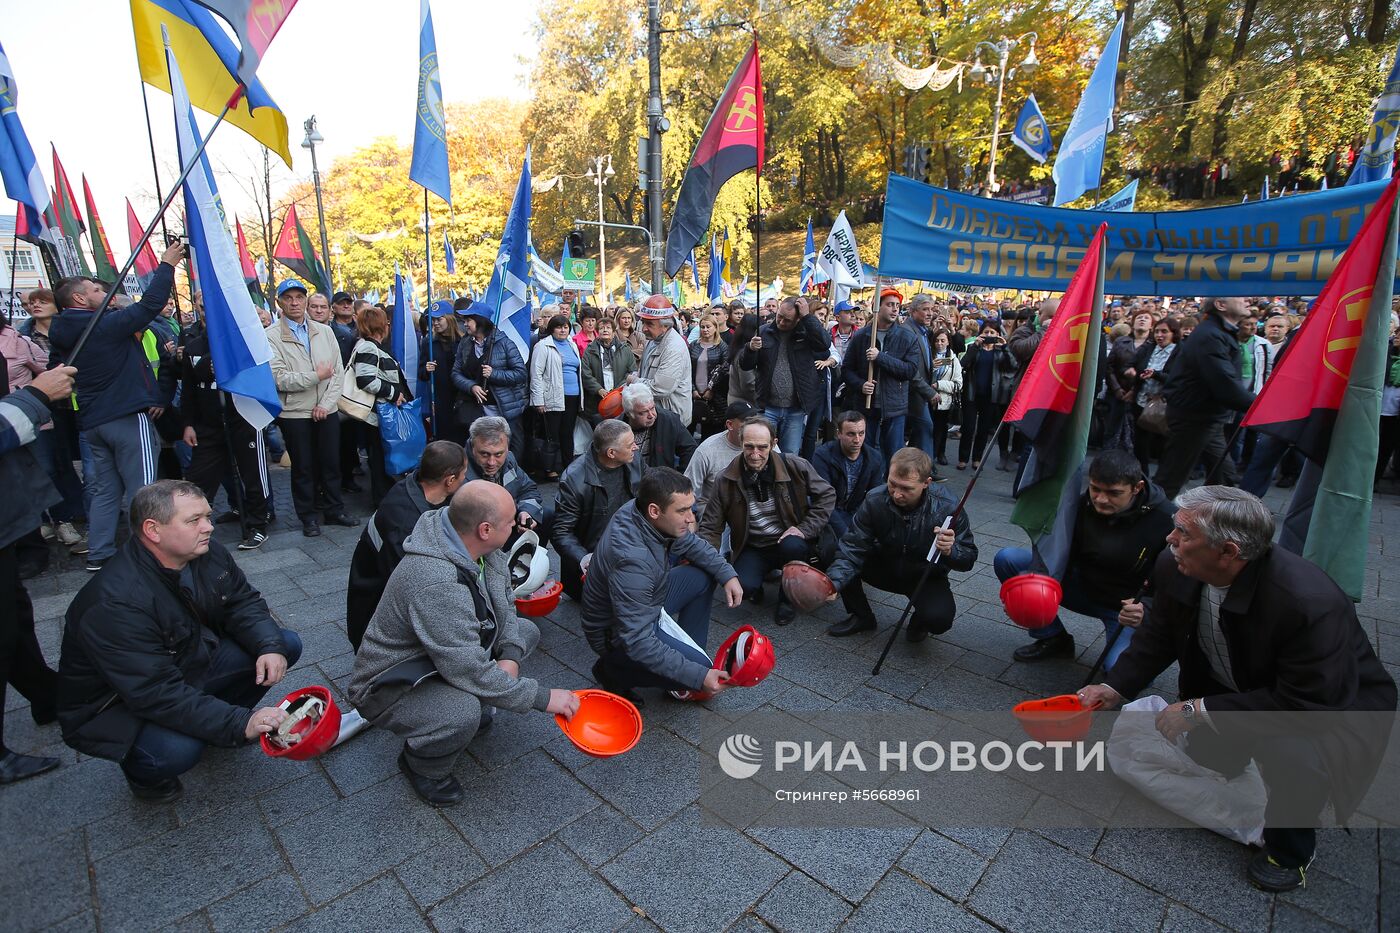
(1195, 56)
(1128, 6)
(1380, 15)
(1220, 131)
(840, 164)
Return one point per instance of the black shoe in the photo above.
(851, 625)
(28, 570)
(915, 633)
(435, 792)
(600, 674)
(231, 517)
(783, 612)
(938, 477)
(311, 528)
(1267, 875)
(43, 713)
(343, 520)
(756, 596)
(160, 792)
(1057, 646)
(351, 486)
(94, 564)
(942, 460)
(1286, 482)
(17, 767)
(254, 541)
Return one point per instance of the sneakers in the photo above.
(67, 535)
(1267, 875)
(94, 564)
(46, 531)
(254, 541)
(231, 517)
(1056, 646)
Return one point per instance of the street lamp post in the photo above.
(313, 136)
(336, 252)
(1002, 50)
(600, 170)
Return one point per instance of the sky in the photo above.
(352, 63)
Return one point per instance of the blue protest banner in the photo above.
(1280, 246)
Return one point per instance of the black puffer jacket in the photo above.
(899, 541)
(1203, 383)
(138, 638)
(808, 344)
(1114, 554)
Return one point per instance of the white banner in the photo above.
(839, 259)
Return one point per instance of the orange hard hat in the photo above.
(605, 724)
(1055, 719)
(1032, 600)
(805, 586)
(886, 292)
(657, 307)
(610, 405)
(311, 727)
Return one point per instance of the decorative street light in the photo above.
(336, 252)
(313, 136)
(600, 170)
(999, 73)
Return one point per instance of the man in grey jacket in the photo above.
(648, 619)
(445, 642)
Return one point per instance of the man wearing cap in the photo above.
(785, 352)
(665, 365)
(490, 376)
(844, 327)
(307, 367)
(591, 490)
(717, 451)
(879, 362)
(343, 324)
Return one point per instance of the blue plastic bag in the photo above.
(401, 427)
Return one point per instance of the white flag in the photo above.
(839, 259)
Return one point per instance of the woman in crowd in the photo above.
(709, 378)
(447, 333)
(1122, 378)
(1150, 364)
(989, 373)
(555, 392)
(628, 331)
(587, 328)
(607, 363)
(378, 373)
(945, 372)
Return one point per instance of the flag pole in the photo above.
(14, 261)
(874, 321)
(934, 555)
(150, 229)
(155, 173)
(428, 259)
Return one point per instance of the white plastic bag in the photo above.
(1164, 773)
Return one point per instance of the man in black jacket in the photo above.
(891, 538)
(789, 386)
(441, 469)
(216, 432)
(1119, 527)
(662, 440)
(168, 648)
(591, 490)
(851, 466)
(490, 457)
(1258, 629)
(1202, 390)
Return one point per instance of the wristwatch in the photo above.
(1188, 710)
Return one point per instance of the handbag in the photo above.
(355, 401)
(1154, 416)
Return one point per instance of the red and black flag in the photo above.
(1054, 403)
(1324, 397)
(255, 22)
(295, 251)
(732, 142)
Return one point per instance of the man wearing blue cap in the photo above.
(307, 368)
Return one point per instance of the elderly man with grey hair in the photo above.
(662, 438)
(1258, 629)
(489, 457)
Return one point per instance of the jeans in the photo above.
(689, 594)
(1011, 561)
(888, 431)
(789, 423)
(1268, 452)
(160, 753)
(51, 450)
(276, 447)
(920, 424)
(755, 562)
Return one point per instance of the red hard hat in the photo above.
(659, 302)
(805, 586)
(1055, 719)
(311, 727)
(1032, 600)
(746, 656)
(610, 405)
(541, 602)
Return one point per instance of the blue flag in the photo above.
(450, 256)
(507, 296)
(237, 343)
(566, 256)
(694, 275)
(1378, 155)
(714, 285)
(403, 339)
(809, 260)
(627, 295)
(1032, 134)
(1124, 199)
(429, 167)
(1079, 164)
(19, 170)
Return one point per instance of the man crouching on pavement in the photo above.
(638, 592)
(167, 648)
(445, 642)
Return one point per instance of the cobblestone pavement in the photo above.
(551, 839)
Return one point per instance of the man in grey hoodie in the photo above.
(446, 642)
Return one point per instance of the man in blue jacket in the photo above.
(647, 598)
(118, 398)
(889, 352)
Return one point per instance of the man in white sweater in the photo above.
(665, 365)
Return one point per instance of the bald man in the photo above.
(445, 644)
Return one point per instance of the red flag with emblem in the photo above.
(732, 142)
(1054, 403)
(146, 262)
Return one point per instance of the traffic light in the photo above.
(909, 150)
(575, 243)
(921, 159)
